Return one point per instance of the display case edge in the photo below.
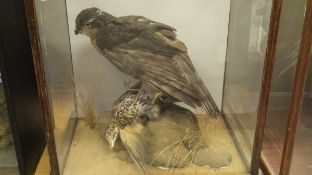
(264, 167)
(265, 85)
(42, 88)
(298, 90)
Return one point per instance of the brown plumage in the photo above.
(148, 51)
(161, 134)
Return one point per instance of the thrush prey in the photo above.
(148, 51)
(161, 134)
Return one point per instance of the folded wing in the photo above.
(154, 54)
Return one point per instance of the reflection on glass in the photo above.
(53, 29)
(171, 138)
(302, 155)
(8, 162)
(289, 36)
(249, 21)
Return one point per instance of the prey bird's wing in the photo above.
(151, 52)
(135, 145)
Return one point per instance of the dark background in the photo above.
(18, 76)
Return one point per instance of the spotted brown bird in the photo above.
(129, 109)
(148, 51)
(161, 134)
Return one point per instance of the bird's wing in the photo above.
(162, 72)
(149, 54)
(163, 32)
(165, 29)
(135, 145)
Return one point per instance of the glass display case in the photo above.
(301, 160)
(175, 87)
(279, 126)
(287, 51)
(246, 52)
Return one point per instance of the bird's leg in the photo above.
(129, 87)
(141, 90)
(156, 96)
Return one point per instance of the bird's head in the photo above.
(85, 21)
(90, 20)
(111, 135)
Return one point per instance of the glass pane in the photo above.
(8, 162)
(99, 84)
(249, 25)
(282, 83)
(302, 155)
(175, 135)
(54, 37)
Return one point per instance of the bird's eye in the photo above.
(87, 24)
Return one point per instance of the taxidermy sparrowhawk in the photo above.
(148, 51)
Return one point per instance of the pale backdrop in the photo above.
(201, 24)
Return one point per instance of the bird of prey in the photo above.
(148, 51)
(160, 134)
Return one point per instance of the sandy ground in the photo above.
(90, 153)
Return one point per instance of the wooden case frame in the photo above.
(20, 87)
